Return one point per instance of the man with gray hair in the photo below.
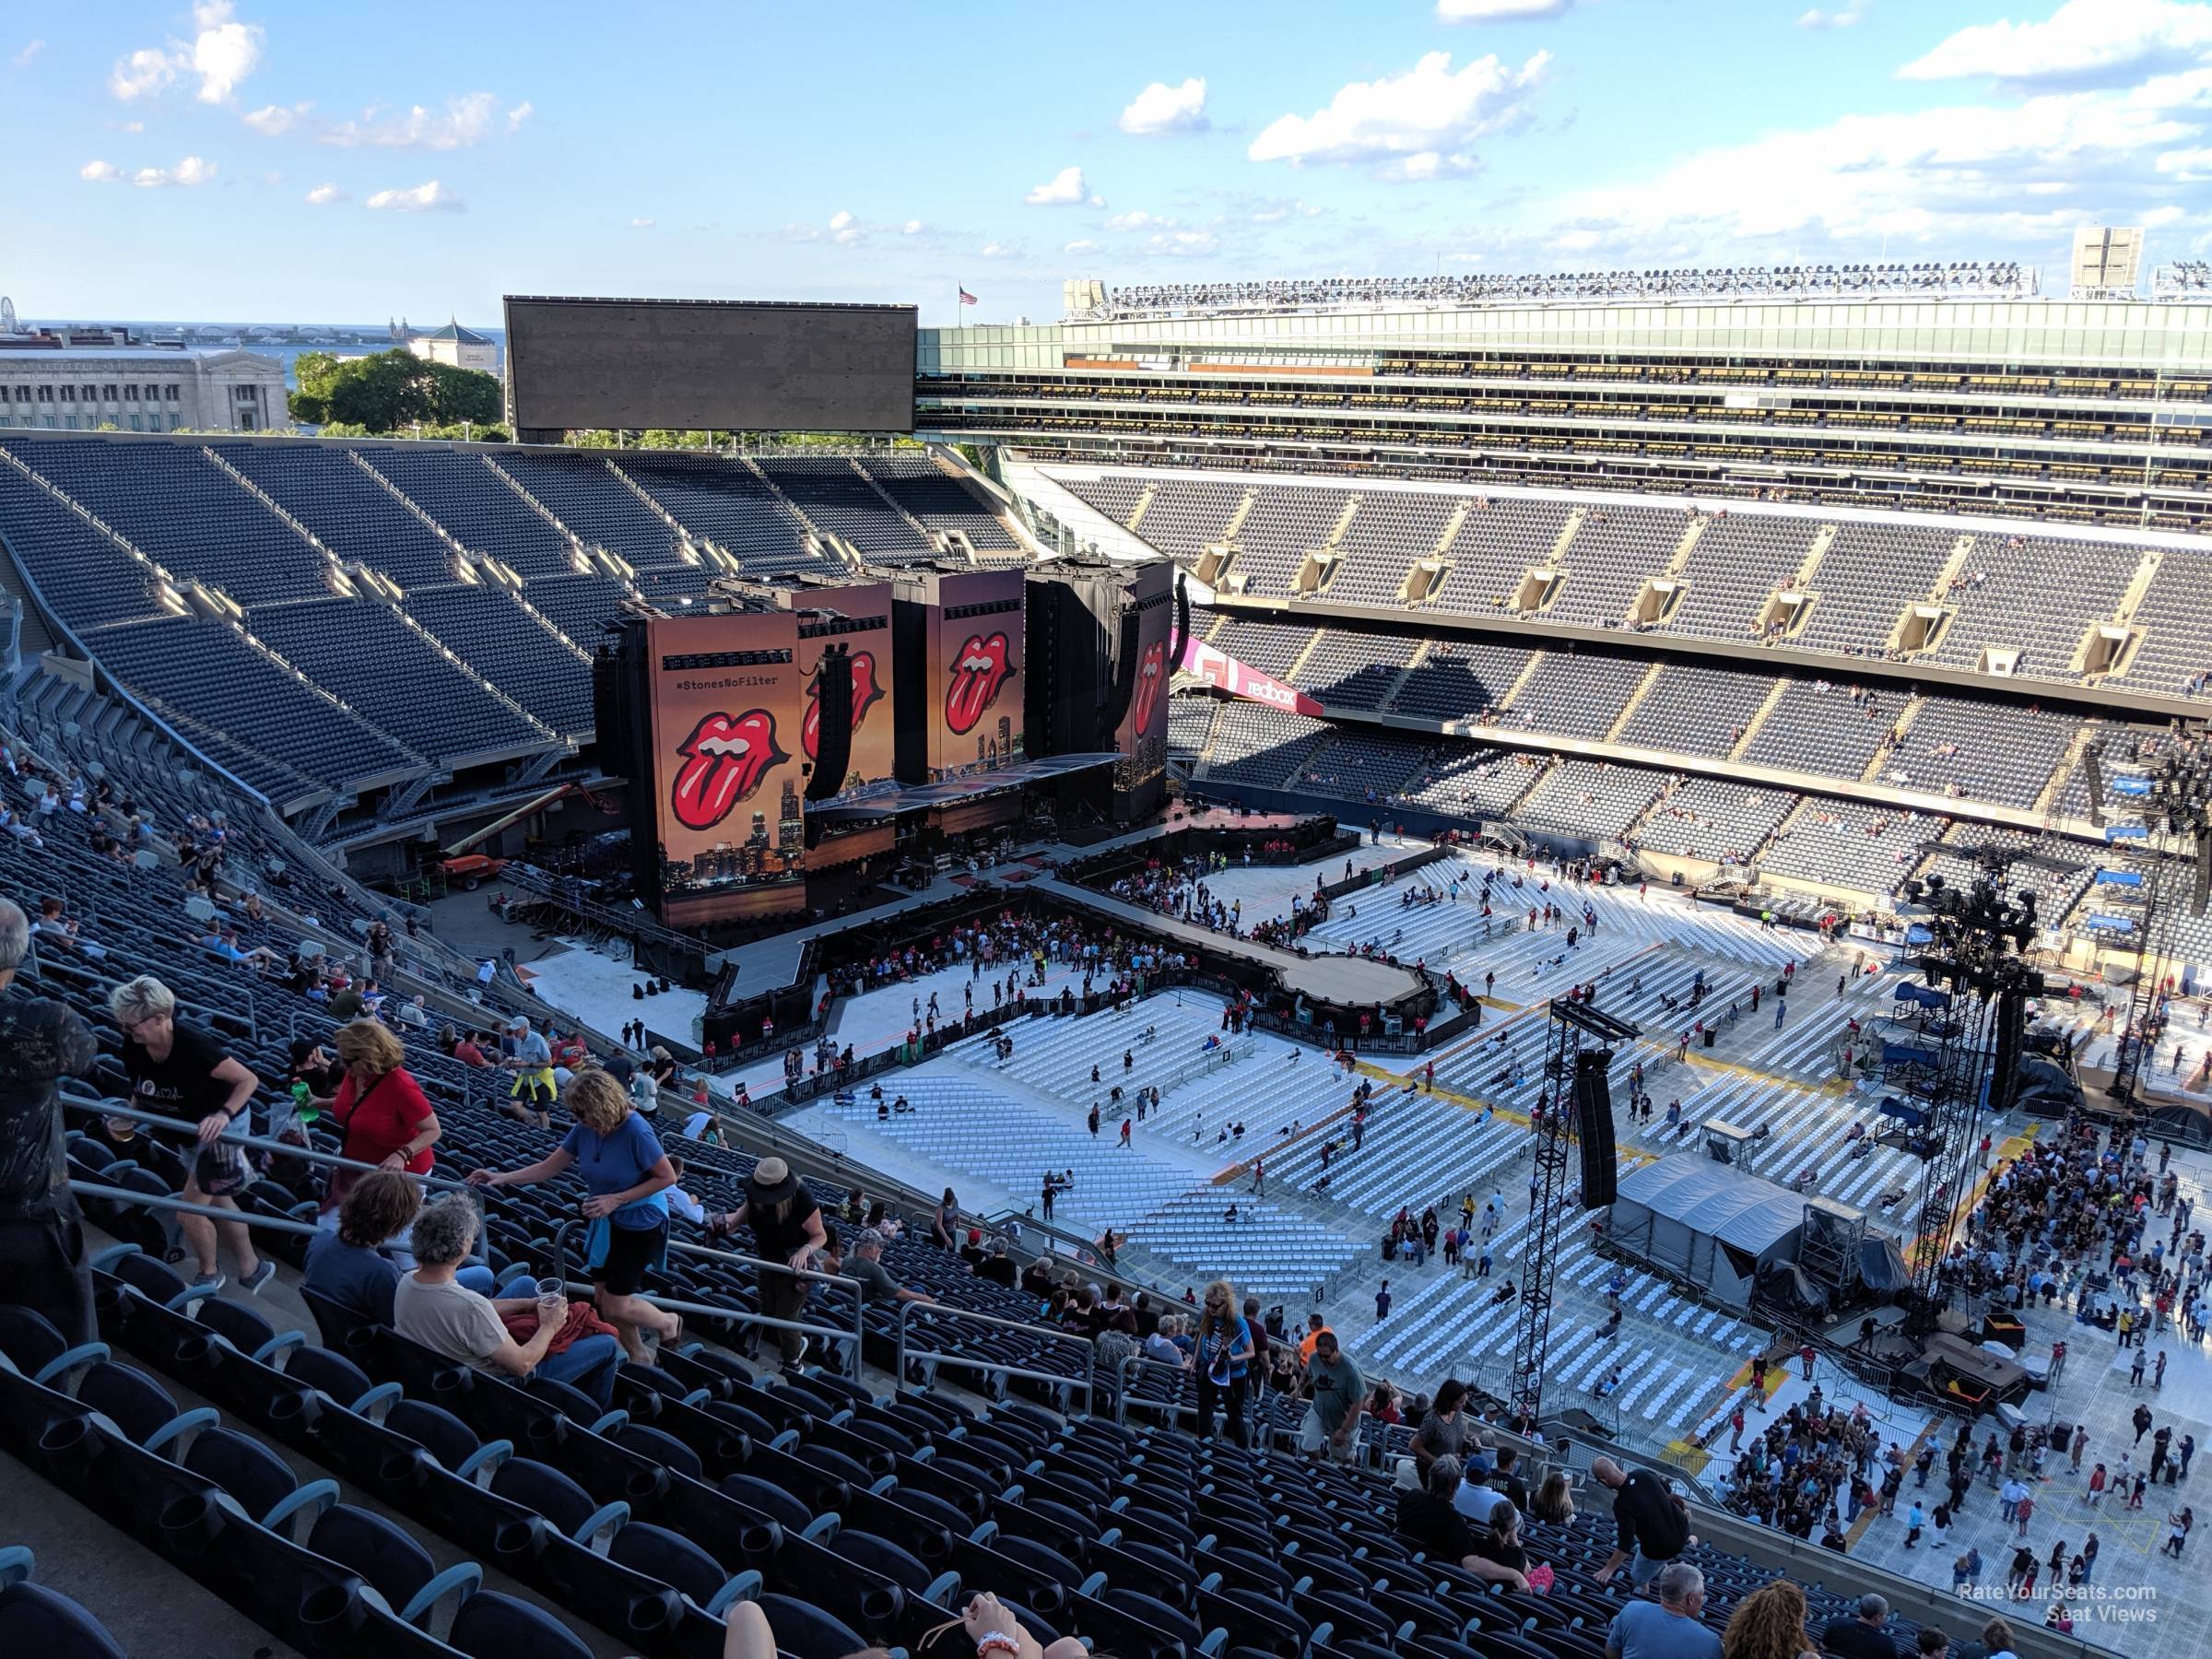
(1865, 1637)
(42, 1261)
(1670, 1628)
(865, 1263)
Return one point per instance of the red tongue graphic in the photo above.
(1151, 675)
(724, 760)
(979, 669)
(865, 693)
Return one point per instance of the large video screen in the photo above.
(976, 646)
(696, 365)
(859, 618)
(1141, 738)
(727, 774)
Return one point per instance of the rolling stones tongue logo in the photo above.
(978, 672)
(867, 693)
(1151, 677)
(724, 759)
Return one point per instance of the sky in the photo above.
(246, 160)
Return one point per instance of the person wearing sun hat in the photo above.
(787, 1227)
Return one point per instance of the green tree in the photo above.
(389, 390)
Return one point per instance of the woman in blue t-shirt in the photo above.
(626, 1173)
(1219, 1355)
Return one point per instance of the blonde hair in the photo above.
(598, 1101)
(371, 1042)
(1767, 1624)
(143, 998)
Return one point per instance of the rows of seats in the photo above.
(1186, 516)
(1590, 799)
(585, 496)
(1385, 536)
(366, 655)
(1190, 728)
(1714, 818)
(1737, 563)
(1821, 727)
(1499, 542)
(512, 649)
(1476, 783)
(1283, 526)
(1461, 679)
(836, 499)
(1864, 579)
(1958, 748)
(211, 671)
(2172, 655)
(1254, 743)
(1696, 710)
(2006, 601)
(80, 573)
(1864, 849)
(942, 502)
(1270, 647)
(1614, 549)
(1349, 670)
(1115, 494)
(1576, 694)
(479, 508)
(1362, 764)
(2034, 594)
(728, 504)
(183, 511)
(345, 509)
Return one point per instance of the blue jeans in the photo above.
(476, 1277)
(588, 1364)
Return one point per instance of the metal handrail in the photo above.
(1121, 1386)
(738, 1315)
(235, 1137)
(1089, 1382)
(93, 1189)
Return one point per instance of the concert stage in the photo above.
(868, 807)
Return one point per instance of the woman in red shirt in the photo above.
(379, 1108)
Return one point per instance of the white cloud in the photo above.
(997, 251)
(133, 126)
(432, 198)
(520, 113)
(1958, 179)
(1275, 210)
(274, 120)
(222, 53)
(1180, 242)
(1079, 247)
(225, 52)
(141, 75)
(30, 50)
(192, 170)
(845, 230)
(100, 173)
(1136, 221)
(640, 224)
(2080, 43)
(912, 227)
(2187, 166)
(1500, 11)
(464, 121)
(1066, 189)
(1415, 125)
(321, 195)
(1850, 15)
(1162, 109)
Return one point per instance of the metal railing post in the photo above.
(234, 1137)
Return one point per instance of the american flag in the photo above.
(966, 298)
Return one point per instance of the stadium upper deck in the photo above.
(1959, 390)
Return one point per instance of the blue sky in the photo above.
(245, 159)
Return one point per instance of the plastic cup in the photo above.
(553, 1287)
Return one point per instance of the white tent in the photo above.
(1696, 1220)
